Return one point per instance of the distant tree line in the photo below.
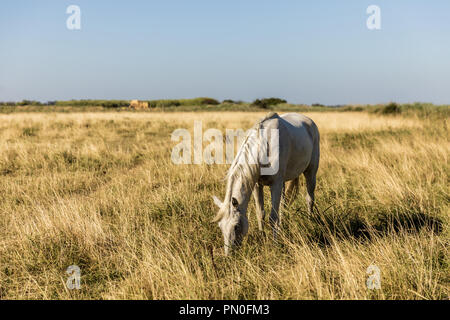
(161, 103)
(116, 103)
(392, 108)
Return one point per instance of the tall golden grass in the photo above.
(99, 190)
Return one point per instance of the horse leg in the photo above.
(291, 191)
(258, 194)
(276, 191)
(310, 176)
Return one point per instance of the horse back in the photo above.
(299, 143)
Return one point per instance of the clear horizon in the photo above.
(305, 53)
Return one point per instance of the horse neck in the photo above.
(245, 167)
(247, 181)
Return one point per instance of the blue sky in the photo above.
(305, 51)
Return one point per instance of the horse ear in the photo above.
(234, 202)
(217, 201)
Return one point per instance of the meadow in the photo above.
(98, 190)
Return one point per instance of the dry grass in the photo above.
(99, 190)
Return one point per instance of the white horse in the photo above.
(296, 152)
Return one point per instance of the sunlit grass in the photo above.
(99, 190)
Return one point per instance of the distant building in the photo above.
(138, 105)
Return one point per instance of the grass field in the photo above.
(99, 190)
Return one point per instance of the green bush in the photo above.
(113, 104)
(260, 104)
(7, 103)
(182, 102)
(92, 103)
(229, 101)
(268, 102)
(29, 103)
(163, 103)
(391, 108)
(209, 101)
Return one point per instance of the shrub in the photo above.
(265, 103)
(115, 104)
(168, 103)
(29, 103)
(91, 103)
(260, 104)
(229, 101)
(209, 101)
(183, 102)
(152, 104)
(110, 105)
(391, 108)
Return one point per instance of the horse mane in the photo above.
(243, 163)
(246, 163)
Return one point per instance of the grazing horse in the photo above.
(293, 150)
